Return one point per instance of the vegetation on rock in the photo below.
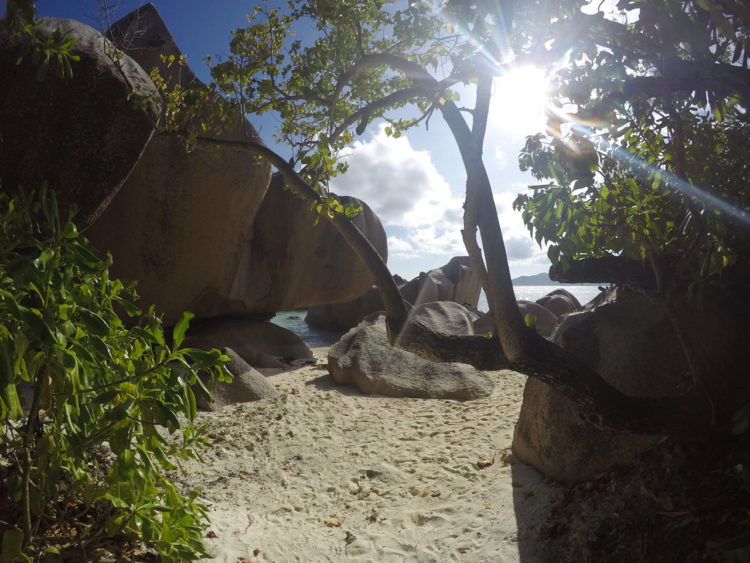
(87, 400)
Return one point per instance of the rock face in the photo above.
(259, 343)
(247, 385)
(83, 140)
(293, 264)
(453, 282)
(182, 223)
(364, 358)
(181, 227)
(629, 341)
(545, 321)
(560, 302)
(204, 232)
(445, 317)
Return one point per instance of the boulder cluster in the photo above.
(206, 231)
(214, 233)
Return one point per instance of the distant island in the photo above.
(541, 279)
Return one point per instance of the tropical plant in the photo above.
(649, 162)
(87, 403)
(43, 49)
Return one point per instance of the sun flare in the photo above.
(519, 100)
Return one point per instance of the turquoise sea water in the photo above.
(315, 337)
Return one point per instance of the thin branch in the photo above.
(383, 103)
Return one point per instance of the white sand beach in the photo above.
(324, 473)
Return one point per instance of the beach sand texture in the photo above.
(324, 473)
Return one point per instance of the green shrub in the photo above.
(87, 455)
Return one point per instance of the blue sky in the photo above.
(415, 183)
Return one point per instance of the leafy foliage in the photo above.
(100, 396)
(43, 49)
(310, 80)
(651, 159)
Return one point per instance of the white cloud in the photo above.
(501, 158)
(403, 187)
(422, 217)
(400, 247)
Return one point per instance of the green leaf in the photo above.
(12, 548)
(93, 322)
(85, 256)
(8, 390)
(115, 524)
(163, 459)
(70, 231)
(37, 327)
(144, 334)
(100, 347)
(178, 333)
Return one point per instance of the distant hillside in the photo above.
(536, 279)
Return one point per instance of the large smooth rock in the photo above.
(259, 343)
(454, 281)
(364, 358)
(446, 317)
(545, 320)
(629, 341)
(560, 302)
(247, 385)
(82, 135)
(295, 264)
(181, 225)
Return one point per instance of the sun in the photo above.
(519, 101)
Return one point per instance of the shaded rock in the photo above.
(293, 264)
(629, 341)
(364, 358)
(545, 321)
(343, 316)
(445, 317)
(181, 225)
(259, 343)
(551, 437)
(560, 302)
(82, 135)
(247, 385)
(453, 282)
(199, 231)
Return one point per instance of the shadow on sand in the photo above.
(532, 495)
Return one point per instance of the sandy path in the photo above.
(399, 476)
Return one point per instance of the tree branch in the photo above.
(389, 292)
(383, 103)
